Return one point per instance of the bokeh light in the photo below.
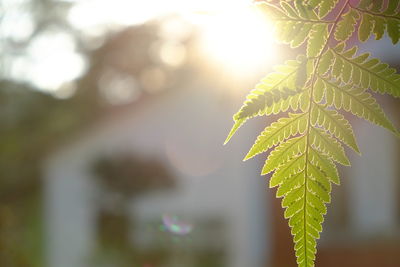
(176, 225)
(118, 88)
(51, 61)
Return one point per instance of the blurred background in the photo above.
(113, 115)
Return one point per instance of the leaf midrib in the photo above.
(307, 21)
(309, 124)
(374, 13)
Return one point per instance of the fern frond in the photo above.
(306, 144)
(282, 153)
(356, 101)
(300, 12)
(288, 168)
(326, 62)
(294, 24)
(326, 144)
(326, 7)
(305, 189)
(290, 183)
(273, 88)
(305, 12)
(316, 42)
(283, 105)
(320, 183)
(376, 19)
(325, 164)
(366, 27)
(277, 132)
(313, 3)
(364, 71)
(335, 123)
(347, 25)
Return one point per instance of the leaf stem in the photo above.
(309, 124)
(308, 20)
(374, 13)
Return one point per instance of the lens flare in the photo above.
(241, 39)
(175, 225)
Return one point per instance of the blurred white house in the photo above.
(185, 129)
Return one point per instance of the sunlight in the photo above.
(129, 12)
(240, 39)
(234, 34)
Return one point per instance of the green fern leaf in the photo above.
(277, 132)
(379, 27)
(328, 145)
(335, 123)
(369, 72)
(393, 26)
(325, 164)
(316, 42)
(320, 183)
(283, 153)
(326, 7)
(290, 183)
(326, 62)
(313, 3)
(283, 105)
(294, 24)
(364, 4)
(305, 190)
(377, 6)
(238, 123)
(306, 145)
(302, 35)
(392, 7)
(382, 17)
(274, 87)
(303, 11)
(270, 11)
(366, 27)
(346, 26)
(289, 10)
(358, 102)
(288, 168)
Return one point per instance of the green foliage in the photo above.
(306, 144)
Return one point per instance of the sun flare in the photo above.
(234, 34)
(240, 39)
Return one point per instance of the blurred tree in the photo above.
(31, 123)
